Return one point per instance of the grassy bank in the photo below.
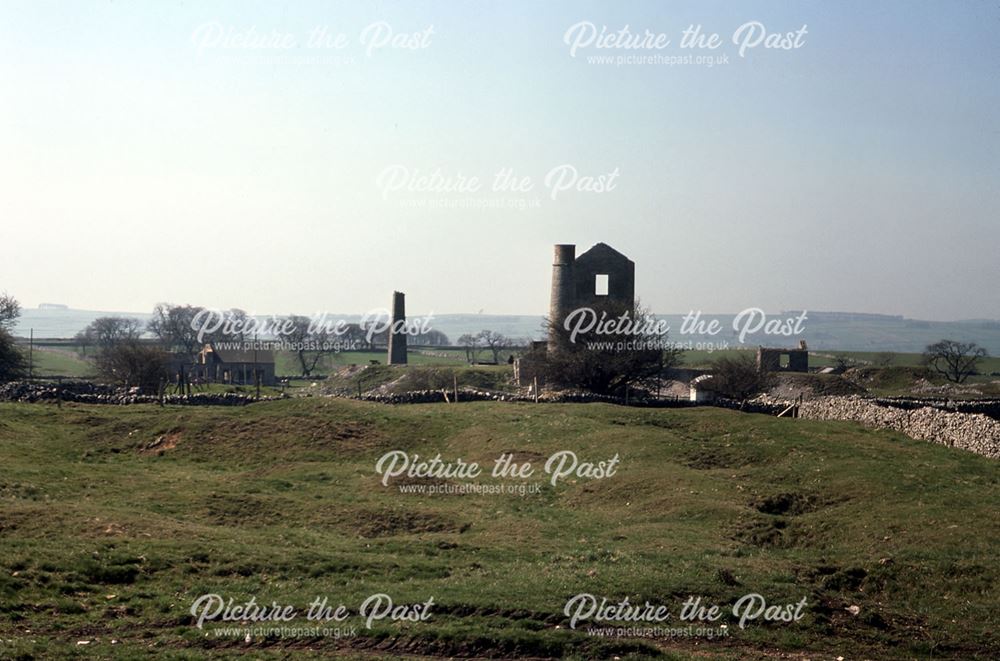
(113, 520)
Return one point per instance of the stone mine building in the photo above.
(600, 274)
(783, 360)
(237, 366)
(397, 331)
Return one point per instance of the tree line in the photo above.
(130, 353)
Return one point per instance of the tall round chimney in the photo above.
(561, 302)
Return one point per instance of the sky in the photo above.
(223, 154)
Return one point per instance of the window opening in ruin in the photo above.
(601, 285)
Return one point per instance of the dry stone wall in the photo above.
(90, 393)
(973, 432)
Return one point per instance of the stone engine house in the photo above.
(600, 274)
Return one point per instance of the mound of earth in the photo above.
(791, 385)
(896, 377)
(914, 382)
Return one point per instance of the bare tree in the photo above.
(955, 361)
(469, 342)
(611, 363)
(842, 362)
(495, 342)
(83, 339)
(354, 337)
(130, 364)
(177, 327)
(13, 364)
(172, 325)
(883, 359)
(431, 338)
(311, 344)
(10, 310)
(237, 319)
(738, 378)
(109, 332)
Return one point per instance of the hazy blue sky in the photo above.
(143, 162)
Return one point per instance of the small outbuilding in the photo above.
(238, 366)
(783, 360)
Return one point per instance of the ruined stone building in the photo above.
(783, 360)
(600, 274)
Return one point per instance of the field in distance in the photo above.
(60, 358)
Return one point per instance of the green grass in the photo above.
(48, 362)
(66, 359)
(222, 388)
(404, 378)
(106, 535)
(70, 360)
(287, 363)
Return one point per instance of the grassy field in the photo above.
(69, 360)
(60, 358)
(113, 520)
(419, 377)
(287, 363)
(49, 361)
